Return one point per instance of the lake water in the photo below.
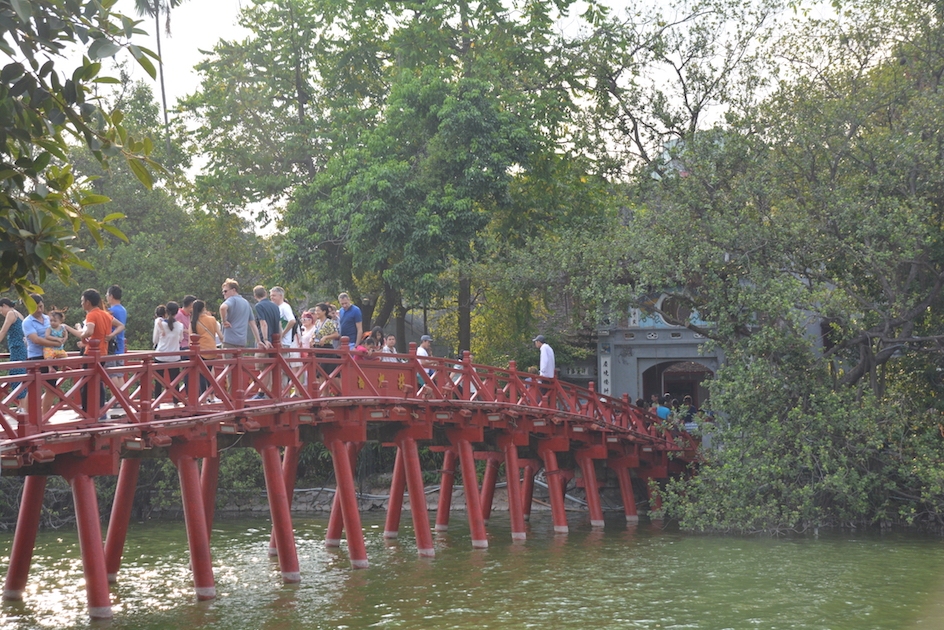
(625, 577)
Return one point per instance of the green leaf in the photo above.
(141, 172)
(23, 8)
(102, 49)
(145, 63)
(91, 200)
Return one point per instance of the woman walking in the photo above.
(168, 334)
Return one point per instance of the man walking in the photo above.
(546, 367)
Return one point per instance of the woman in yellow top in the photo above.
(204, 324)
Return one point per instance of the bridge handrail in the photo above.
(234, 376)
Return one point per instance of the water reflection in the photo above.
(625, 576)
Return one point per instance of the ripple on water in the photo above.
(626, 577)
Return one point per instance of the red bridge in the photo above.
(465, 410)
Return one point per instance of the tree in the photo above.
(42, 203)
(816, 220)
(171, 251)
(153, 8)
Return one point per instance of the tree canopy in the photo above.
(43, 205)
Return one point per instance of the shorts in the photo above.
(44, 369)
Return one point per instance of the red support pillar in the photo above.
(395, 502)
(514, 488)
(527, 489)
(336, 519)
(473, 504)
(209, 480)
(655, 498)
(335, 522)
(90, 542)
(195, 519)
(556, 490)
(626, 490)
(289, 476)
(120, 516)
(488, 484)
(589, 472)
(281, 513)
(414, 482)
(347, 501)
(446, 483)
(24, 540)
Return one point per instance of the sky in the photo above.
(195, 25)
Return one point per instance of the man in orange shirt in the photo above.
(101, 325)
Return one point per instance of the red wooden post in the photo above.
(281, 513)
(489, 480)
(195, 520)
(395, 502)
(277, 366)
(93, 389)
(626, 490)
(515, 509)
(209, 481)
(24, 540)
(414, 482)
(555, 489)
(289, 476)
(120, 516)
(34, 401)
(335, 523)
(90, 543)
(194, 360)
(589, 472)
(347, 499)
(655, 498)
(527, 489)
(446, 483)
(336, 519)
(473, 504)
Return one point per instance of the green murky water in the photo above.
(625, 577)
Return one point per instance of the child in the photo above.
(58, 330)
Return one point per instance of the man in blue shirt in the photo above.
(351, 320)
(113, 297)
(34, 329)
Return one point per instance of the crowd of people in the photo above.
(41, 335)
(672, 411)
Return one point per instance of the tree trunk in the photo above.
(391, 299)
(402, 345)
(160, 68)
(465, 313)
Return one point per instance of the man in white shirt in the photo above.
(286, 315)
(426, 342)
(546, 368)
(389, 348)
